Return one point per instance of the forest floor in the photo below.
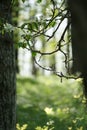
(46, 103)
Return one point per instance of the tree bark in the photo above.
(15, 15)
(79, 34)
(78, 10)
(7, 72)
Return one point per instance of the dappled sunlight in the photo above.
(49, 111)
(21, 127)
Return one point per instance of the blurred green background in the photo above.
(45, 101)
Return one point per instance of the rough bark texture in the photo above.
(7, 72)
(78, 9)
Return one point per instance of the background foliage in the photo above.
(45, 100)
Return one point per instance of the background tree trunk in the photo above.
(7, 72)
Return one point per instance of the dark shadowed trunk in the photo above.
(78, 9)
(15, 16)
(7, 71)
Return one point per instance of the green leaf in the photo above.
(39, 1)
(23, 1)
(35, 25)
(34, 54)
(21, 44)
(24, 45)
(30, 26)
(52, 24)
(23, 25)
(28, 37)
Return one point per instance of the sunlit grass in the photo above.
(42, 99)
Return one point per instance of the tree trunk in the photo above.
(15, 15)
(79, 34)
(7, 72)
(78, 9)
